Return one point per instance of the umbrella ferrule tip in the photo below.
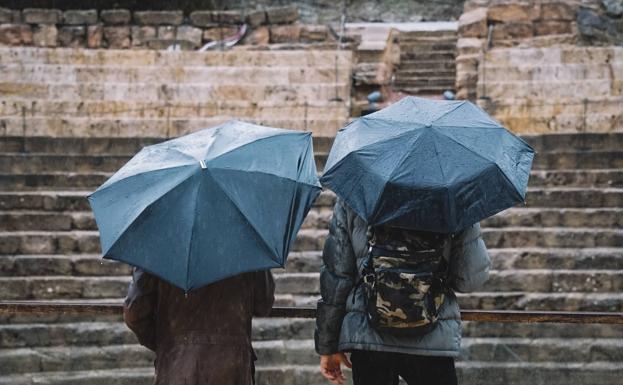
(202, 163)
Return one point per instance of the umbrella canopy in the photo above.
(428, 165)
(209, 205)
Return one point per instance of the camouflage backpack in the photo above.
(404, 279)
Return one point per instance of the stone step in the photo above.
(80, 265)
(159, 59)
(102, 145)
(77, 200)
(426, 56)
(549, 72)
(601, 302)
(469, 373)
(125, 109)
(424, 72)
(428, 91)
(85, 241)
(543, 143)
(116, 333)
(544, 217)
(186, 93)
(94, 265)
(87, 126)
(301, 352)
(424, 82)
(30, 162)
(427, 45)
(320, 217)
(45, 163)
(297, 284)
(427, 35)
(444, 65)
(602, 178)
(283, 74)
(543, 90)
(556, 258)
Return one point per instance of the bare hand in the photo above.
(330, 367)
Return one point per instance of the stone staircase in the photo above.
(563, 251)
(427, 64)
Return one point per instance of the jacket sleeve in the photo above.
(469, 261)
(337, 277)
(264, 293)
(139, 309)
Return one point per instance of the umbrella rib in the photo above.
(465, 147)
(450, 111)
(134, 175)
(247, 220)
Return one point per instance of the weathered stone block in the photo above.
(552, 27)
(557, 11)
(613, 7)
(45, 35)
(202, 18)
(6, 15)
(94, 36)
(596, 28)
(285, 33)
(466, 46)
(282, 15)
(256, 18)
(159, 17)
(258, 36)
(473, 23)
(314, 33)
(15, 34)
(115, 16)
(117, 37)
(227, 17)
(218, 33)
(190, 34)
(72, 36)
(41, 16)
(166, 32)
(512, 12)
(77, 16)
(505, 31)
(140, 35)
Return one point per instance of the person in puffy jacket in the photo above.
(379, 358)
(202, 337)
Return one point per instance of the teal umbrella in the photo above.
(209, 205)
(428, 165)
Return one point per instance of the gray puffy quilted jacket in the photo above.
(341, 325)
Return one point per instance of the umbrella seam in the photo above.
(366, 146)
(192, 231)
(465, 147)
(264, 173)
(247, 220)
(402, 160)
(449, 112)
(287, 132)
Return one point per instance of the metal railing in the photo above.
(8, 308)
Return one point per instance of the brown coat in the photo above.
(201, 338)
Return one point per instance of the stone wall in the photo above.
(124, 29)
(523, 62)
(60, 92)
(312, 11)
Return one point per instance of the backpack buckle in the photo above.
(368, 278)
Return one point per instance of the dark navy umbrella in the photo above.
(209, 205)
(428, 165)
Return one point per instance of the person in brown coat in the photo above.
(202, 337)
